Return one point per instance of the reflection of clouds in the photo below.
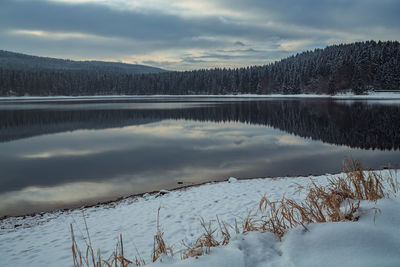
(71, 144)
(35, 198)
(292, 140)
(212, 137)
(156, 130)
(73, 167)
(62, 193)
(183, 129)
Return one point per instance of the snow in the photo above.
(362, 243)
(44, 240)
(371, 95)
(232, 180)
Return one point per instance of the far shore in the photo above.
(370, 96)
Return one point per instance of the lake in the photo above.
(58, 153)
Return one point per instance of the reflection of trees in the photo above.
(356, 125)
(19, 124)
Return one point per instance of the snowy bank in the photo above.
(44, 240)
(371, 95)
(372, 241)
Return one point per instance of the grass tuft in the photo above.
(88, 259)
(204, 243)
(338, 201)
(159, 246)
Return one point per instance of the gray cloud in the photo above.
(239, 43)
(193, 60)
(181, 41)
(103, 21)
(344, 14)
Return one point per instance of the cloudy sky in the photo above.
(190, 34)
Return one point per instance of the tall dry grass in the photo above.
(88, 258)
(159, 246)
(205, 242)
(338, 201)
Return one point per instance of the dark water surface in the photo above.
(64, 153)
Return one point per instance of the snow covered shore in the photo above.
(370, 96)
(44, 240)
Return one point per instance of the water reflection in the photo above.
(355, 124)
(75, 156)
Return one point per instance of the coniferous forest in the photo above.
(358, 67)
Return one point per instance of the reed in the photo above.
(159, 246)
(204, 243)
(89, 258)
(338, 201)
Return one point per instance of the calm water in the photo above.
(56, 154)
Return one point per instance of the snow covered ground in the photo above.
(44, 240)
(372, 95)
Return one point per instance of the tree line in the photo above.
(358, 67)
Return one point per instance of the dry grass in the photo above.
(117, 259)
(159, 247)
(88, 259)
(393, 182)
(358, 184)
(278, 216)
(250, 223)
(335, 202)
(204, 243)
(223, 227)
(338, 201)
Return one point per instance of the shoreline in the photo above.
(115, 201)
(103, 203)
(118, 200)
(372, 96)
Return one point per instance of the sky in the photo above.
(190, 34)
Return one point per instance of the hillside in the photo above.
(17, 61)
(358, 67)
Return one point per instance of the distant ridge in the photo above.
(18, 61)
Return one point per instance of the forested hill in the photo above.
(359, 67)
(17, 61)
